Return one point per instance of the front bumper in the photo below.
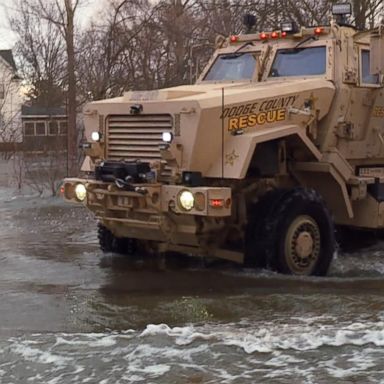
(153, 211)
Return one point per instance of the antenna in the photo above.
(222, 133)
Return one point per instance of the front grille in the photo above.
(136, 137)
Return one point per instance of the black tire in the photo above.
(298, 233)
(110, 243)
(255, 239)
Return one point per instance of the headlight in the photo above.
(167, 137)
(96, 136)
(186, 200)
(80, 192)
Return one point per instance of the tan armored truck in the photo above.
(281, 138)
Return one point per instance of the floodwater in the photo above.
(69, 314)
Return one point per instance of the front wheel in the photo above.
(298, 234)
(300, 246)
(110, 243)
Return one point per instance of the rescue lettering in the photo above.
(239, 110)
(255, 108)
(261, 118)
(281, 102)
(258, 113)
(378, 111)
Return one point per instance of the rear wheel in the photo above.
(298, 234)
(110, 243)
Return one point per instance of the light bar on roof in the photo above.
(342, 9)
(289, 27)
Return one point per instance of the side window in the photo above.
(366, 77)
(53, 128)
(40, 128)
(29, 129)
(63, 128)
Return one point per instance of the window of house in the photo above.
(63, 128)
(29, 129)
(53, 128)
(40, 128)
(2, 91)
(366, 77)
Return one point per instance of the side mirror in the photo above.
(377, 52)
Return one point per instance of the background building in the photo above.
(44, 129)
(11, 100)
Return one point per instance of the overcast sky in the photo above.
(7, 38)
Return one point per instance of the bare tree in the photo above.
(143, 44)
(61, 14)
(41, 54)
(366, 12)
(43, 172)
(10, 112)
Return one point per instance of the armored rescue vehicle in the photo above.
(281, 138)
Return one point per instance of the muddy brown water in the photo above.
(70, 314)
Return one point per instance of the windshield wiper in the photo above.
(309, 38)
(237, 53)
(243, 46)
(231, 56)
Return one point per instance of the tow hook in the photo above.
(122, 184)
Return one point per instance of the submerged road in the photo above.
(69, 314)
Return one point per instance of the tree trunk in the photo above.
(71, 99)
(179, 42)
(360, 10)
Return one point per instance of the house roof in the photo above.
(34, 110)
(7, 55)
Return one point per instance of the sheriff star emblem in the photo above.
(230, 158)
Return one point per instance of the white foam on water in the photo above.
(134, 379)
(224, 353)
(61, 378)
(305, 374)
(154, 370)
(280, 359)
(169, 353)
(358, 362)
(368, 261)
(149, 361)
(269, 337)
(40, 356)
(92, 342)
(182, 335)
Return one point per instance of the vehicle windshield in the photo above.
(232, 66)
(299, 62)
